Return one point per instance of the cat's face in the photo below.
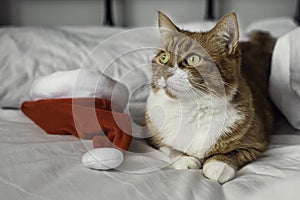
(192, 64)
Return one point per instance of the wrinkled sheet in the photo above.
(35, 165)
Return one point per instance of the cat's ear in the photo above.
(165, 23)
(227, 29)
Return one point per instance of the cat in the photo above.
(203, 111)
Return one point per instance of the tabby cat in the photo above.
(203, 111)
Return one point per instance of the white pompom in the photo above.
(102, 158)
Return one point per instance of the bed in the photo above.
(36, 165)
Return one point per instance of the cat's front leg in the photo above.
(223, 167)
(219, 171)
(181, 160)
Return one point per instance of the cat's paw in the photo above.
(187, 162)
(218, 171)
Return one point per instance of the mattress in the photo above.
(35, 165)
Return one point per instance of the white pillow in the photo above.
(197, 26)
(285, 76)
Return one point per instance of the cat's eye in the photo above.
(193, 60)
(164, 57)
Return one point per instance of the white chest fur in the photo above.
(190, 127)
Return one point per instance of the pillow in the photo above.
(276, 26)
(285, 76)
(197, 26)
(28, 53)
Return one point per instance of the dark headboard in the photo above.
(108, 13)
(210, 10)
(297, 13)
(4, 13)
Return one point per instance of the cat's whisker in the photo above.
(196, 93)
(228, 85)
(207, 89)
(212, 93)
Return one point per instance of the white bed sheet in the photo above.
(35, 165)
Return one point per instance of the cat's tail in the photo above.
(263, 39)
